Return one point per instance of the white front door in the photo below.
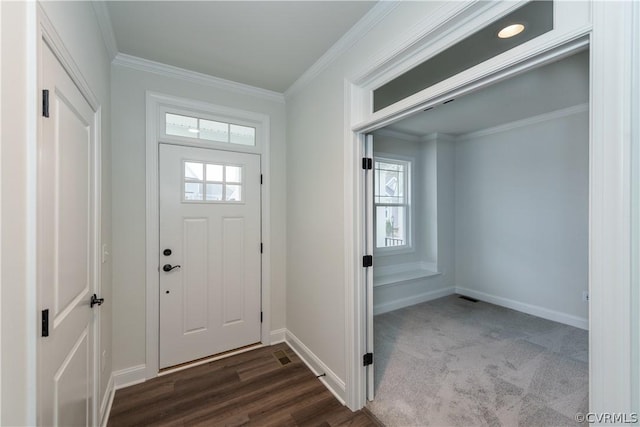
(210, 262)
(66, 263)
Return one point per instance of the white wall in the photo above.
(521, 222)
(129, 87)
(15, 373)
(76, 24)
(315, 192)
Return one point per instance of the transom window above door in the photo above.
(392, 204)
(209, 130)
(211, 182)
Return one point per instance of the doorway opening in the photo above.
(485, 196)
(208, 238)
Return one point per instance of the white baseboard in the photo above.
(545, 313)
(278, 336)
(107, 402)
(129, 376)
(335, 385)
(412, 300)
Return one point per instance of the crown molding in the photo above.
(429, 137)
(396, 134)
(141, 64)
(407, 47)
(351, 37)
(106, 28)
(439, 137)
(552, 115)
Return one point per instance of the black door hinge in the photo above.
(45, 323)
(261, 248)
(45, 103)
(367, 163)
(261, 180)
(261, 317)
(367, 359)
(367, 261)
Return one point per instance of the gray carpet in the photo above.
(452, 362)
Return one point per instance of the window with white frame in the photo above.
(392, 203)
(212, 183)
(209, 130)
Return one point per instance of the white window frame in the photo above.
(408, 191)
(229, 118)
(204, 183)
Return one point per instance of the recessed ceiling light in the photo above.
(510, 31)
(192, 130)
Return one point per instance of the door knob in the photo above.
(168, 267)
(95, 300)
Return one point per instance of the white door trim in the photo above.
(610, 189)
(46, 33)
(635, 203)
(155, 101)
(0, 233)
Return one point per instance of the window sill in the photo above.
(397, 274)
(391, 251)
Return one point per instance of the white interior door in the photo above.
(210, 262)
(368, 194)
(66, 251)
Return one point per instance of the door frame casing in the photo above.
(47, 34)
(154, 103)
(610, 185)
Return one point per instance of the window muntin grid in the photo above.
(209, 130)
(391, 203)
(212, 182)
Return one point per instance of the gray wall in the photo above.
(521, 221)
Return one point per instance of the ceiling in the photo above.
(552, 87)
(267, 44)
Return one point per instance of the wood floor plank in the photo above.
(255, 398)
(316, 413)
(266, 365)
(277, 408)
(214, 399)
(251, 388)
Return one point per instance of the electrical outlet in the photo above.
(585, 296)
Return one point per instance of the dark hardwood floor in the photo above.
(252, 388)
